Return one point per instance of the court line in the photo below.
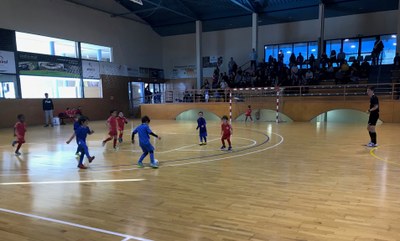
(372, 152)
(98, 230)
(233, 156)
(68, 182)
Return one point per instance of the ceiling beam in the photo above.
(171, 10)
(245, 4)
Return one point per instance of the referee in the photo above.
(373, 115)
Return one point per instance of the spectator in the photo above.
(232, 67)
(147, 94)
(324, 59)
(332, 57)
(376, 51)
(280, 56)
(396, 60)
(341, 57)
(292, 59)
(309, 77)
(364, 69)
(300, 60)
(253, 59)
(311, 61)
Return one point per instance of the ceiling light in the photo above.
(137, 1)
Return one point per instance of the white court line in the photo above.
(125, 236)
(67, 182)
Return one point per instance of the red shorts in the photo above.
(21, 139)
(225, 136)
(112, 132)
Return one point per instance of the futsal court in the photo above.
(286, 181)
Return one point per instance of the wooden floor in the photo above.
(296, 181)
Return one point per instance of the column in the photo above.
(254, 31)
(199, 67)
(321, 46)
(398, 30)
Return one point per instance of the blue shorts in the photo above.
(147, 147)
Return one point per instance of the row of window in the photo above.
(33, 43)
(354, 47)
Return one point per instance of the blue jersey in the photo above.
(76, 125)
(81, 134)
(201, 125)
(144, 133)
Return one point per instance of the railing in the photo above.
(384, 91)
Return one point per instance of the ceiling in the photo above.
(173, 17)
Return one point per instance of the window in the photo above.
(287, 51)
(333, 45)
(7, 86)
(350, 48)
(270, 50)
(389, 51)
(367, 44)
(96, 52)
(33, 43)
(92, 88)
(312, 49)
(57, 87)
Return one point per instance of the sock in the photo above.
(143, 156)
(370, 135)
(19, 146)
(151, 157)
(223, 142)
(205, 138)
(81, 158)
(229, 142)
(115, 142)
(373, 137)
(201, 139)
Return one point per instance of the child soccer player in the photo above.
(19, 133)
(81, 133)
(201, 124)
(76, 126)
(112, 129)
(226, 132)
(248, 113)
(144, 132)
(121, 124)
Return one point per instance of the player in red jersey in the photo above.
(19, 133)
(121, 124)
(248, 113)
(226, 132)
(112, 129)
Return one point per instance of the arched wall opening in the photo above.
(192, 115)
(265, 115)
(343, 116)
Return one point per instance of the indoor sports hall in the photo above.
(302, 164)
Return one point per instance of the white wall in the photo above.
(236, 43)
(134, 44)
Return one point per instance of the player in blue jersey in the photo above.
(145, 132)
(76, 126)
(201, 126)
(81, 133)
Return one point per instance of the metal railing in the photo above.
(384, 91)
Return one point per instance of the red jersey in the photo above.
(121, 123)
(248, 112)
(112, 123)
(20, 129)
(226, 129)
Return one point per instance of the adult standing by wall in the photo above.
(253, 60)
(48, 108)
(376, 51)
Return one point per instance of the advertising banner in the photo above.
(48, 65)
(7, 62)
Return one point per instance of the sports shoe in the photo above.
(204, 143)
(77, 153)
(140, 164)
(46, 125)
(17, 153)
(120, 140)
(153, 165)
(201, 143)
(230, 148)
(13, 143)
(223, 147)
(103, 143)
(91, 159)
(81, 166)
(371, 144)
